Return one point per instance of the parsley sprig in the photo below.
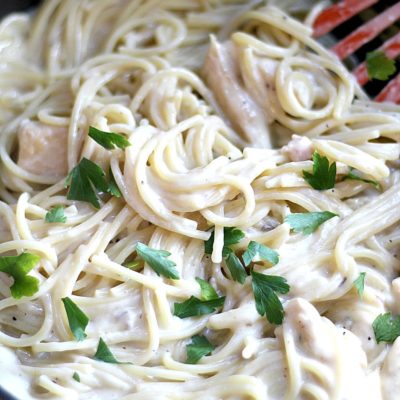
(231, 236)
(86, 181)
(56, 215)
(308, 223)
(195, 307)
(260, 251)
(379, 66)
(18, 268)
(323, 176)
(77, 319)
(103, 353)
(207, 291)
(113, 188)
(199, 347)
(236, 267)
(109, 140)
(353, 175)
(359, 283)
(386, 328)
(158, 261)
(134, 265)
(207, 304)
(265, 288)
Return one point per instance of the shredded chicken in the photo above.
(299, 148)
(222, 76)
(43, 149)
(321, 346)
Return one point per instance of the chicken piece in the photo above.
(43, 149)
(299, 148)
(322, 358)
(13, 378)
(221, 74)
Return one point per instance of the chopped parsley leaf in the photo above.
(103, 353)
(307, 223)
(323, 176)
(265, 288)
(55, 215)
(194, 307)
(157, 260)
(359, 283)
(85, 181)
(109, 140)
(76, 377)
(257, 250)
(231, 236)
(236, 267)
(198, 348)
(355, 177)
(18, 267)
(207, 291)
(113, 188)
(135, 265)
(379, 66)
(77, 319)
(386, 328)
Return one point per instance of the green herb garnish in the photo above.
(198, 348)
(76, 377)
(108, 140)
(265, 288)
(386, 328)
(207, 291)
(379, 66)
(353, 176)
(55, 215)
(231, 236)
(77, 319)
(85, 182)
(113, 188)
(308, 222)
(134, 265)
(257, 250)
(18, 267)
(236, 267)
(103, 353)
(157, 260)
(359, 283)
(323, 176)
(194, 307)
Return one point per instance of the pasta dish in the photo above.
(197, 201)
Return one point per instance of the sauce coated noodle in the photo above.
(210, 120)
